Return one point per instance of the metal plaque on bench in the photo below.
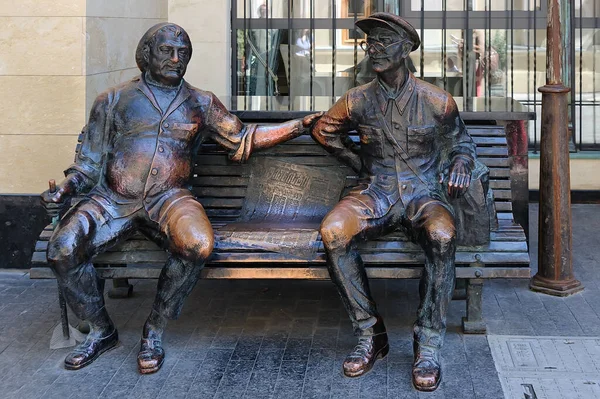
(284, 206)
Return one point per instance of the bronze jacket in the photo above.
(421, 124)
(137, 156)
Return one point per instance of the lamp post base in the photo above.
(555, 287)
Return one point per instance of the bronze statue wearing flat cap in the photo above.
(135, 160)
(415, 154)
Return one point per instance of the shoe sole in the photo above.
(152, 369)
(91, 360)
(380, 355)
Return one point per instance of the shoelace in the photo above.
(84, 348)
(427, 356)
(363, 347)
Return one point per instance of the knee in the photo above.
(196, 246)
(442, 237)
(338, 230)
(62, 253)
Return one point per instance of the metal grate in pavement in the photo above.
(547, 367)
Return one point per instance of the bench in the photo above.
(221, 185)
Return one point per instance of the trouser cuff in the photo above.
(370, 327)
(428, 336)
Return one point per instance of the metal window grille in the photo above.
(302, 55)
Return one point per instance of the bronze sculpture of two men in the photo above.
(137, 155)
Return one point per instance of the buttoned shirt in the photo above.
(140, 156)
(406, 140)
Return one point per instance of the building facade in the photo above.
(272, 54)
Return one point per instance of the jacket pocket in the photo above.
(371, 140)
(183, 131)
(421, 139)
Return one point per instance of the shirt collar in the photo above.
(401, 100)
(182, 94)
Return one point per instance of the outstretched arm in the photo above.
(242, 139)
(331, 132)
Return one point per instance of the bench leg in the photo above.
(473, 323)
(64, 317)
(460, 290)
(121, 287)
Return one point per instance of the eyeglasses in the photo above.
(377, 46)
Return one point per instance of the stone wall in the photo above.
(55, 57)
(208, 24)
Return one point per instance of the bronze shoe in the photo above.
(89, 350)
(426, 371)
(364, 355)
(151, 356)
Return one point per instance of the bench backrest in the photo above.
(220, 184)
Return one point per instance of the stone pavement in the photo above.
(280, 339)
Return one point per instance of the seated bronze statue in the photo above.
(135, 160)
(415, 155)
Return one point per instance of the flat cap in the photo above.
(391, 22)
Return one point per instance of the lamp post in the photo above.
(555, 271)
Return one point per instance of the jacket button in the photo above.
(148, 200)
(154, 171)
(161, 149)
(396, 126)
(166, 125)
(404, 187)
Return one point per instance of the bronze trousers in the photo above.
(87, 229)
(430, 223)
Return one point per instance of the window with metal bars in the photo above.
(301, 55)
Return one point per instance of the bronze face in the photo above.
(387, 49)
(168, 56)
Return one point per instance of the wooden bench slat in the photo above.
(392, 247)
(496, 184)
(499, 173)
(304, 273)
(133, 257)
(492, 151)
(491, 131)
(385, 258)
(219, 170)
(220, 192)
(495, 162)
(220, 181)
(483, 141)
(503, 206)
(502, 194)
(226, 203)
(143, 257)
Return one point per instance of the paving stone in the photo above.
(247, 348)
(236, 376)
(275, 338)
(302, 328)
(290, 380)
(227, 338)
(297, 349)
(325, 338)
(262, 382)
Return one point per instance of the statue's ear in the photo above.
(406, 48)
(146, 53)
